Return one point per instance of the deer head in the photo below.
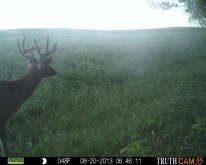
(43, 59)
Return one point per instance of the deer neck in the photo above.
(29, 82)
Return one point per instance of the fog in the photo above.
(88, 14)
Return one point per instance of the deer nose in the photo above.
(55, 73)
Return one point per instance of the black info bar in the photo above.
(103, 160)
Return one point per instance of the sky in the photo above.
(88, 14)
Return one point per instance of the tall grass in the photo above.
(117, 93)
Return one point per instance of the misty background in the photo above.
(88, 14)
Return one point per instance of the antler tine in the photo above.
(37, 48)
(47, 51)
(25, 51)
(47, 43)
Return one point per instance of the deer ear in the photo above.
(46, 61)
(33, 62)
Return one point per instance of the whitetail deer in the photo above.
(13, 93)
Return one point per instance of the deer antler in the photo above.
(24, 51)
(43, 56)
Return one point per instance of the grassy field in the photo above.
(117, 93)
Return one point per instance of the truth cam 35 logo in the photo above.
(181, 161)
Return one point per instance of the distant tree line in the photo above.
(195, 8)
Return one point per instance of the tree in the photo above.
(196, 9)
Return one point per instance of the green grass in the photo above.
(117, 93)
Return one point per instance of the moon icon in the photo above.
(43, 161)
